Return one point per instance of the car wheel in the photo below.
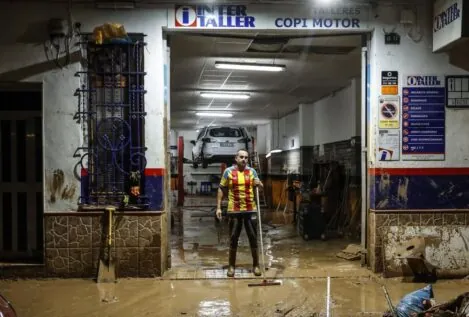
(195, 165)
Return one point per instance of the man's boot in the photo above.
(255, 262)
(232, 263)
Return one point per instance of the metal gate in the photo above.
(21, 178)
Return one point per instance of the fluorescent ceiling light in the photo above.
(214, 114)
(250, 66)
(276, 151)
(220, 95)
(268, 155)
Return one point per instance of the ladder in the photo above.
(255, 163)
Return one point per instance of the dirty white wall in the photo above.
(291, 131)
(188, 135)
(414, 58)
(334, 118)
(263, 138)
(284, 130)
(23, 59)
(443, 247)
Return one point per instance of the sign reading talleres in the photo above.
(423, 118)
(268, 17)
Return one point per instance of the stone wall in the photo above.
(74, 243)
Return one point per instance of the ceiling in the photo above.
(315, 67)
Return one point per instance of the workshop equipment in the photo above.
(107, 269)
(264, 282)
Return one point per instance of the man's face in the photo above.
(242, 158)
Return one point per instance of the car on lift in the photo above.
(219, 144)
(6, 308)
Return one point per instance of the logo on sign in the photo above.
(186, 16)
(445, 18)
(213, 16)
(423, 81)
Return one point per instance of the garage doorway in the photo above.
(322, 69)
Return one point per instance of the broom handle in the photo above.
(260, 230)
(110, 211)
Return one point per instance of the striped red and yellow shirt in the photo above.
(240, 185)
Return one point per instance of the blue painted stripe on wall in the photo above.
(407, 192)
(154, 190)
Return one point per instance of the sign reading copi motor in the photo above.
(205, 16)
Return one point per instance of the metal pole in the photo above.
(328, 297)
(260, 231)
(180, 171)
(364, 156)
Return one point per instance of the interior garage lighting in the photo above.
(250, 66)
(220, 95)
(214, 114)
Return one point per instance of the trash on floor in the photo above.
(413, 303)
(457, 307)
(352, 253)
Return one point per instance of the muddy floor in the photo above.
(350, 296)
(197, 284)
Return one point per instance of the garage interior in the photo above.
(316, 171)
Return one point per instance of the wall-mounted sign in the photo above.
(457, 91)
(388, 145)
(392, 39)
(449, 23)
(423, 118)
(389, 83)
(389, 117)
(216, 16)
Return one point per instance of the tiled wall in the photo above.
(73, 244)
(379, 222)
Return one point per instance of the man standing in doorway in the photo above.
(239, 181)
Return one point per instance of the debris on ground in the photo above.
(458, 307)
(352, 253)
(421, 303)
(413, 303)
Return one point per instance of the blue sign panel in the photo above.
(423, 119)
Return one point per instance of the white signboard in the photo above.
(389, 112)
(272, 17)
(447, 23)
(388, 145)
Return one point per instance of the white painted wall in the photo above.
(445, 247)
(23, 59)
(263, 138)
(188, 135)
(283, 131)
(415, 58)
(290, 134)
(333, 118)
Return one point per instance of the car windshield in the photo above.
(225, 133)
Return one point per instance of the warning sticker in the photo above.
(389, 83)
(389, 117)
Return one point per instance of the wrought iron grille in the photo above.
(112, 113)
